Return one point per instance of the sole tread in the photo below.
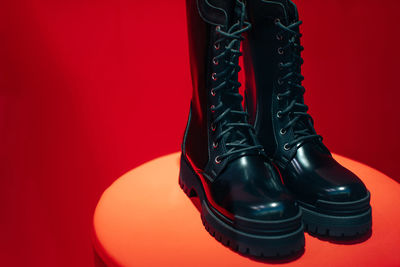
(254, 247)
(231, 244)
(327, 232)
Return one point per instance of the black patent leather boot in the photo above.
(244, 204)
(334, 201)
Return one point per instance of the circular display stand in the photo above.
(145, 219)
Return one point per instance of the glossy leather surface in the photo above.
(250, 188)
(308, 170)
(195, 141)
(315, 175)
(246, 185)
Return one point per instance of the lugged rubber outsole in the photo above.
(259, 246)
(349, 226)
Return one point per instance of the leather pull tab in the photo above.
(211, 13)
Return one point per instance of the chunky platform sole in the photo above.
(355, 220)
(254, 244)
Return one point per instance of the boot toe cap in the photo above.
(280, 209)
(253, 191)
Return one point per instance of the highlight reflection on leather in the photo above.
(196, 137)
(252, 189)
(313, 174)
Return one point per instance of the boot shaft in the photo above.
(202, 19)
(274, 98)
(274, 94)
(214, 29)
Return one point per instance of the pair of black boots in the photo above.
(262, 174)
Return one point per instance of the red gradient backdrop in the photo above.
(90, 89)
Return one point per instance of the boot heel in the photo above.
(188, 180)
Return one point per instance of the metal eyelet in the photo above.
(280, 65)
(277, 20)
(215, 145)
(279, 114)
(213, 92)
(212, 108)
(279, 37)
(218, 159)
(217, 46)
(286, 147)
(280, 51)
(213, 127)
(218, 28)
(278, 97)
(215, 61)
(214, 76)
(282, 131)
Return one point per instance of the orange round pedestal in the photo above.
(145, 219)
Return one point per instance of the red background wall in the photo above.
(90, 89)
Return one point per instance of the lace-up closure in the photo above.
(232, 120)
(290, 80)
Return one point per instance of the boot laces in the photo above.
(233, 120)
(291, 80)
